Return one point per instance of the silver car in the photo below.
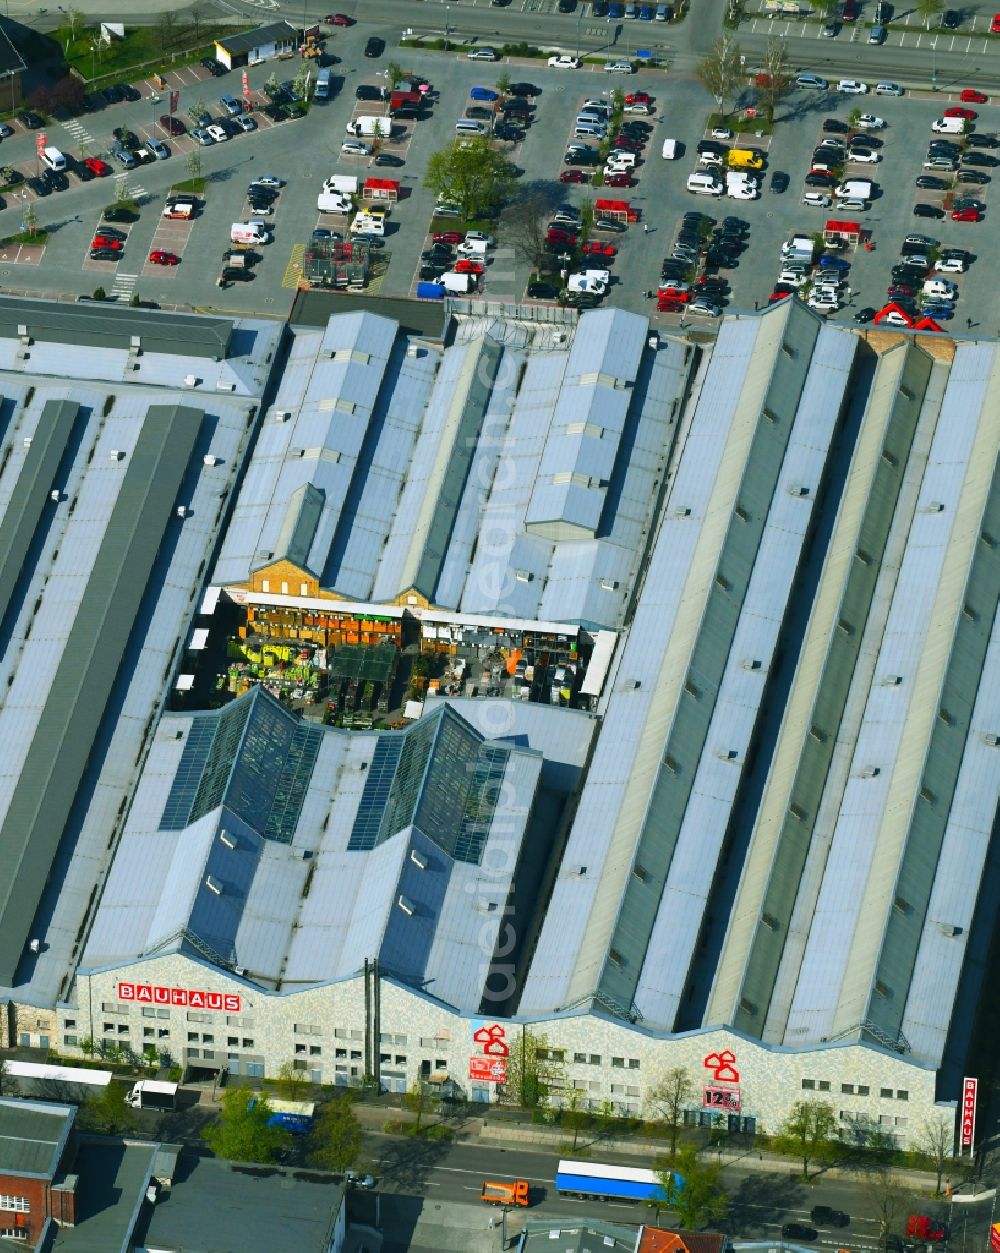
(201, 136)
(158, 148)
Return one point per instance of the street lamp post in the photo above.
(579, 16)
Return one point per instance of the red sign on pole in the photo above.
(967, 1133)
(175, 97)
(41, 139)
(488, 1069)
(246, 89)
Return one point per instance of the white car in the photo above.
(564, 62)
(245, 122)
(721, 132)
(950, 265)
(895, 318)
(743, 191)
(817, 200)
(869, 122)
(355, 148)
(888, 89)
(217, 133)
(269, 180)
(616, 67)
(851, 87)
(638, 108)
(864, 156)
(703, 309)
(794, 278)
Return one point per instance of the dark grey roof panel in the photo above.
(31, 490)
(68, 726)
(32, 1136)
(111, 326)
(272, 33)
(305, 508)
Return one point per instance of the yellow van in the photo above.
(745, 159)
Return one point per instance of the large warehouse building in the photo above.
(705, 773)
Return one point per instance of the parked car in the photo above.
(374, 47)
(922, 210)
(869, 122)
(798, 1231)
(172, 125)
(214, 67)
(564, 62)
(159, 257)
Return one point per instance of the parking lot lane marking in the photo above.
(293, 270)
(124, 283)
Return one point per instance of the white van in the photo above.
(589, 115)
(939, 289)
(854, 189)
(590, 130)
(469, 126)
(249, 233)
(705, 184)
(53, 158)
(949, 126)
(669, 149)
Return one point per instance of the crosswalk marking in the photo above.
(124, 283)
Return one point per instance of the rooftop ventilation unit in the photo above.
(282, 415)
(191, 380)
(227, 839)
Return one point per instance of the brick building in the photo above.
(37, 1146)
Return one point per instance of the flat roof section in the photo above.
(32, 1136)
(60, 748)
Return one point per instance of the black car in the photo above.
(276, 112)
(113, 95)
(912, 249)
(127, 138)
(112, 232)
(978, 158)
(580, 158)
(388, 158)
(583, 300)
(566, 6)
(366, 92)
(511, 133)
(429, 271)
(942, 148)
(105, 254)
(83, 172)
(525, 89)
(904, 274)
(865, 315)
(828, 156)
(779, 181)
(56, 179)
(609, 224)
(834, 126)
(129, 92)
(374, 47)
(712, 146)
(30, 120)
(973, 176)
(968, 202)
(236, 274)
(214, 67)
(599, 8)
(819, 179)
(982, 141)
(957, 254)
(930, 183)
(675, 270)
(951, 20)
(115, 214)
(39, 186)
(927, 211)
(543, 291)
(798, 1231)
(260, 191)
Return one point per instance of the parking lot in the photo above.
(305, 151)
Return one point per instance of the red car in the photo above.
(955, 111)
(338, 19)
(667, 305)
(971, 96)
(674, 293)
(965, 215)
(97, 166)
(594, 248)
(448, 237)
(573, 176)
(638, 97)
(618, 180)
(107, 241)
(624, 144)
(900, 289)
(555, 235)
(172, 125)
(467, 266)
(159, 257)
(775, 296)
(995, 24)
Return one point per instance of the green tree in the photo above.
(809, 1131)
(574, 1117)
(504, 83)
(271, 84)
(471, 174)
(533, 1069)
(697, 1196)
(415, 1100)
(670, 1094)
(936, 1140)
(336, 1138)
(292, 1082)
(929, 10)
(721, 72)
(30, 218)
(241, 1133)
(775, 78)
(107, 1111)
(393, 73)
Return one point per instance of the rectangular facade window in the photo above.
(255, 1070)
(580, 1058)
(232, 1041)
(123, 1028)
(148, 1033)
(315, 1050)
(196, 1015)
(193, 1053)
(400, 1041)
(824, 1085)
(110, 1026)
(148, 1011)
(595, 1059)
(207, 1037)
(247, 1042)
(192, 1037)
(633, 1063)
(863, 1089)
(302, 1028)
(300, 1048)
(208, 1054)
(163, 1013)
(809, 1085)
(400, 1059)
(885, 1092)
(17, 1204)
(847, 1088)
(341, 1052)
(69, 1024)
(618, 1063)
(355, 1055)
(69, 1041)
(901, 1095)
(162, 1033)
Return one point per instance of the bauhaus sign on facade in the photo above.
(193, 998)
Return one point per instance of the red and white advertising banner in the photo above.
(727, 1099)
(488, 1069)
(246, 89)
(41, 140)
(193, 998)
(175, 99)
(967, 1124)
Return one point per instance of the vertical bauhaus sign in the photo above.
(967, 1116)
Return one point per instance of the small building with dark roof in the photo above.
(253, 46)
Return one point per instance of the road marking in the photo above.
(124, 283)
(293, 270)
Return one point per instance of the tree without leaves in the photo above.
(165, 26)
(937, 1141)
(928, 10)
(673, 1091)
(524, 227)
(721, 72)
(471, 174)
(775, 79)
(336, 1138)
(241, 1133)
(415, 1100)
(292, 1082)
(888, 1197)
(809, 1131)
(697, 1198)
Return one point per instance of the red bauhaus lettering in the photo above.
(126, 991)
(178, 996)
(213, 1000)
(144, 993)
(231, 1003)
(197, 998)
(161, 996)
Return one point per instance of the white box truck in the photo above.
(855, 189)
(333, 202)
(152, 1094)
(365, 127)
(458, 284)
(346, 183)
(249, 233)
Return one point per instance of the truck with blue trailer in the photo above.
(593, 1181)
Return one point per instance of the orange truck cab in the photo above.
(925, 1228)
(515, 1192)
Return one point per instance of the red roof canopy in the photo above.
(382, 184)
(843, 227)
